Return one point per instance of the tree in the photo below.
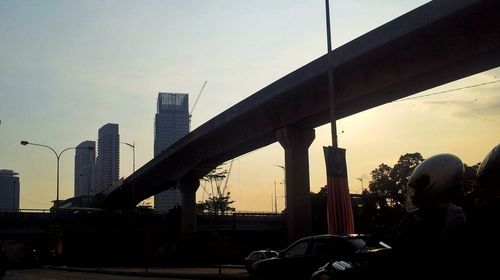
(218, 201)
(382, 186)
(218, 205)
(389, 183)
(383, 203)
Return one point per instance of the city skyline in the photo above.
(69, 67)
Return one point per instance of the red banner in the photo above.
(339, 207)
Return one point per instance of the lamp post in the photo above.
(58, 156)
(133, 153)
(132, 146)
(361, 180)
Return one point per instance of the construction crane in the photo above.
(216, 177)
(227, 177)
(196, 102)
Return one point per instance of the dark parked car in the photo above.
(301, 259)
(257, 256)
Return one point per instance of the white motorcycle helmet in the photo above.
(431, 178)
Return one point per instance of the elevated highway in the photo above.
(437, 43)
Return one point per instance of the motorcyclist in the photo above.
(485, 219)
(488, 176)
(428, 239)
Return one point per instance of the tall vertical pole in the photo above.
(339, 209)
(133, 150)
(57, 196)
(331, 92)
(275, 202)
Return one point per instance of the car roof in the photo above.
(344, 236)
(265, 251)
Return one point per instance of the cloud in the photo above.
(483, 111)
(481, 107)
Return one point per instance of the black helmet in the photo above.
(431, 178)
(488, 173)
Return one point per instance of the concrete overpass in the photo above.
(437, 43)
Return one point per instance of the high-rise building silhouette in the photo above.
(171, 124)
(84, 169)
(9, 190)
(107, 167)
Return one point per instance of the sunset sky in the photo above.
(69, 67)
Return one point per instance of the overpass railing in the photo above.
(242, 213)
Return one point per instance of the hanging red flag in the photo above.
(339, 207)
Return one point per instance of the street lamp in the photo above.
(58, 156)
(361, 180)
(133, 152)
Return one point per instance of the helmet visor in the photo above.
(410, 195)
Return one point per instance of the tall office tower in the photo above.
(9, 190)
(171, 124)
(107, 167)
(84, 169)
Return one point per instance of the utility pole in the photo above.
(361, 180)
(132, 146)
(339, 216)
(275, 202)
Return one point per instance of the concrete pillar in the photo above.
(296, 142)
(188, 188)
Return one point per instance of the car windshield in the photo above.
(358, 243)
(270, 254)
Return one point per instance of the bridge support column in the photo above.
(188, 188)
(296, 142)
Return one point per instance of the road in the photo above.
(48, 274)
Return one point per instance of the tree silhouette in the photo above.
(388, 183)
(383, 203)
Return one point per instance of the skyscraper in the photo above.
(9, 190)
(84, 169)
(171, 124)
(107, 168)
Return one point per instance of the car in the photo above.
(302, 258)
(257, 256)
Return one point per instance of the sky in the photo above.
(69, 67)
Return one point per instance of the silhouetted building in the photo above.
(84, 169)
(171, 124)
(9, 190)
(107, 167)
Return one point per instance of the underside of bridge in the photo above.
(437, 43)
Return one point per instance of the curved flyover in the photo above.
(436, 43)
